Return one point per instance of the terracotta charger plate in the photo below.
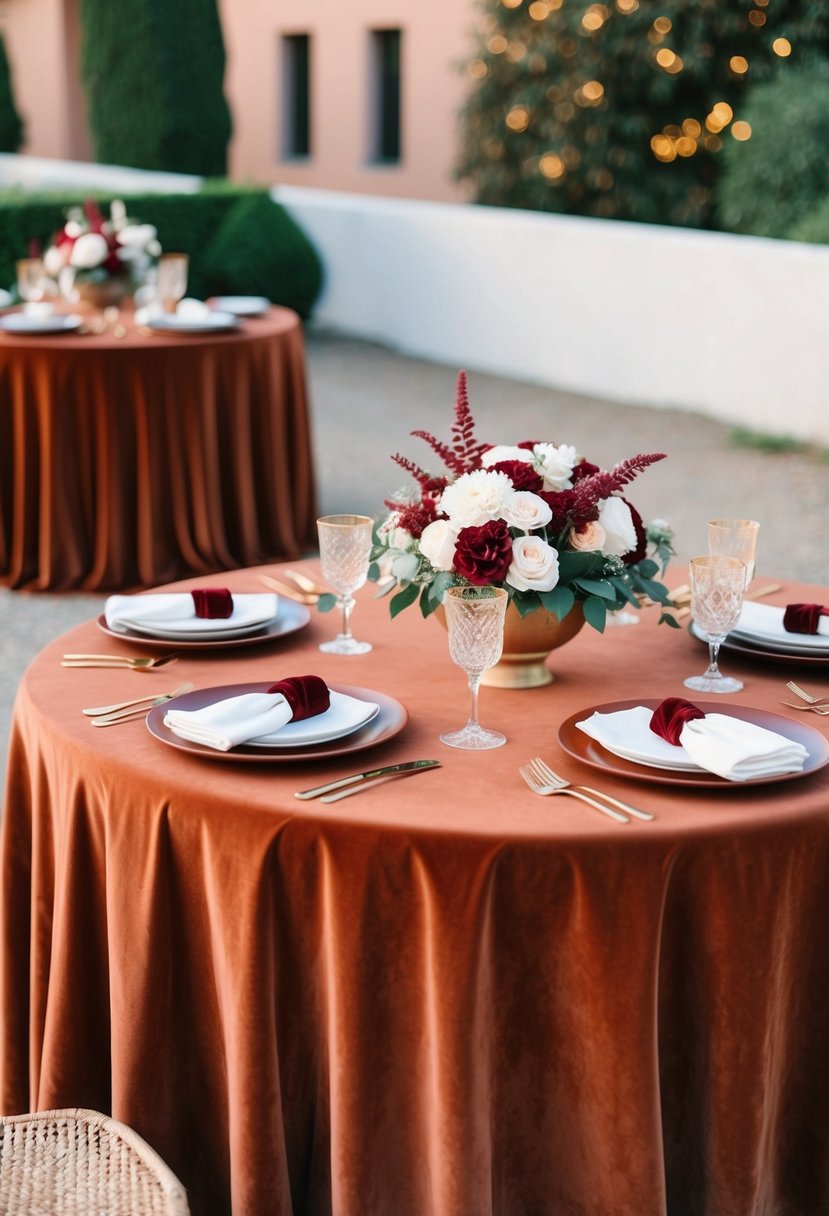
(290, 618)
(589, 751)
(385, 725)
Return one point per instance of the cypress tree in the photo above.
(11, 124)
(621, 109)
(153, 76)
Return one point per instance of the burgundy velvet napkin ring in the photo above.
(306, 695)
(670, 717)
(803, 618)
(212, 603)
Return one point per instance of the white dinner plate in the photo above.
(171, 616)
(288, 619)
(323, 727)
(211, 322)
(762, 625)
(241, 306)
(26, 323)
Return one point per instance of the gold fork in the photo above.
(806, 696)
(545, 788)
(544, 771)
(118, 660)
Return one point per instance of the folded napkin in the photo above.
(269, 716)
(731, 747)
(804, 618)
(764, 624)
(203, 610)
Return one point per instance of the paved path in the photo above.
(367, 400)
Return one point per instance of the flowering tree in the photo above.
(621, 109)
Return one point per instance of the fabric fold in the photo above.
(730, 747)
(803, 618)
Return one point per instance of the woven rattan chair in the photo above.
(82, 1163)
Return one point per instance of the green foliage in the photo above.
(153, 79)
(814, 227)
(781, 174)
(600, 109)
(742, 437)
(279, 261)
(11, 124)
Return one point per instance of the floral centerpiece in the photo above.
(90, 249)
(538, 519)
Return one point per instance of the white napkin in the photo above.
(730, 747)
(263, 718)
(190, 309)
(764, 623)
(175, 611)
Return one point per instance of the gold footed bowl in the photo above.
(528, 642)
(105, 293)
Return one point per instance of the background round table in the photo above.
(129, 461)
(445, 996)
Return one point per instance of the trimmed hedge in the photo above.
(11, 124)
(239, 241)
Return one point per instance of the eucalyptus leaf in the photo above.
(597, 586)
(405, 567)
(407, 596)
(558, 601)
(326, 602)
(595, 612)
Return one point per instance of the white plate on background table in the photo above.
(28, 323)
(579, 745)
(210, 322)
(754, 650)
(241, 306)
(289, 619)
(389, 721)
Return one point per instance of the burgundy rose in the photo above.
(522, 475)
(640, 549)
(484, 554)
(567, 510)
(584, 469)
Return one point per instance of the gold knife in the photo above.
(357, 778)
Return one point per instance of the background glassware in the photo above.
(717, 585)
(734, 538)
(475, 620)
(31, 282)
(345, 545)
(171, 279)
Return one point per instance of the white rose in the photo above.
(437, 544)
(391, 534)
(53, 261)
(526, 510)
(502, 452)
(617, 521)
(88, 251)
(137, 234)
(534, 565)
(475, 498)
(555, 464)
(588, 538)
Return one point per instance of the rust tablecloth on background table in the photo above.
(130, 461)
(444, 997)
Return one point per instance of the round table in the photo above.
(131, 460)
(445, 996)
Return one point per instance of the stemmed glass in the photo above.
(717, 585)
(734, 538)
(475, 620)
(345, 545)
(31, 283)
(171, 279)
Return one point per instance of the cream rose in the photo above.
(589, 538)
(475, 498)
(503, 452)
(88, 251)
(437, 544)
(534, 565)
(555, 464)
(617, 521)
(526, 510)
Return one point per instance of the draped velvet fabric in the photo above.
(445, 996)
(126, 462)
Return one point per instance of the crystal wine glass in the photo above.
(717, 585)
(171, 279)
(345, 546)
(31, 283)
(475, 619)
(734, 538)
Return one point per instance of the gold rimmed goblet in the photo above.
(345, 546)
(734, 538)
(475, 620)
(717, 586)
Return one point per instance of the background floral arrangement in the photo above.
(92, 248)
(537, 519)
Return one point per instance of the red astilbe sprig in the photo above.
(598, 486)
(464, 453)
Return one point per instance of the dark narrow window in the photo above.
(296, 95)
(385, 66)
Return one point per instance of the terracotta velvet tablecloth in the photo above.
(131, 461)
(445, 996)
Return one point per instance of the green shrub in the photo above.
(814, 227)
(280, 262)
(11, 124)
(779, 176)
(153, 79)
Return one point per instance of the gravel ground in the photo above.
(366, 400)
